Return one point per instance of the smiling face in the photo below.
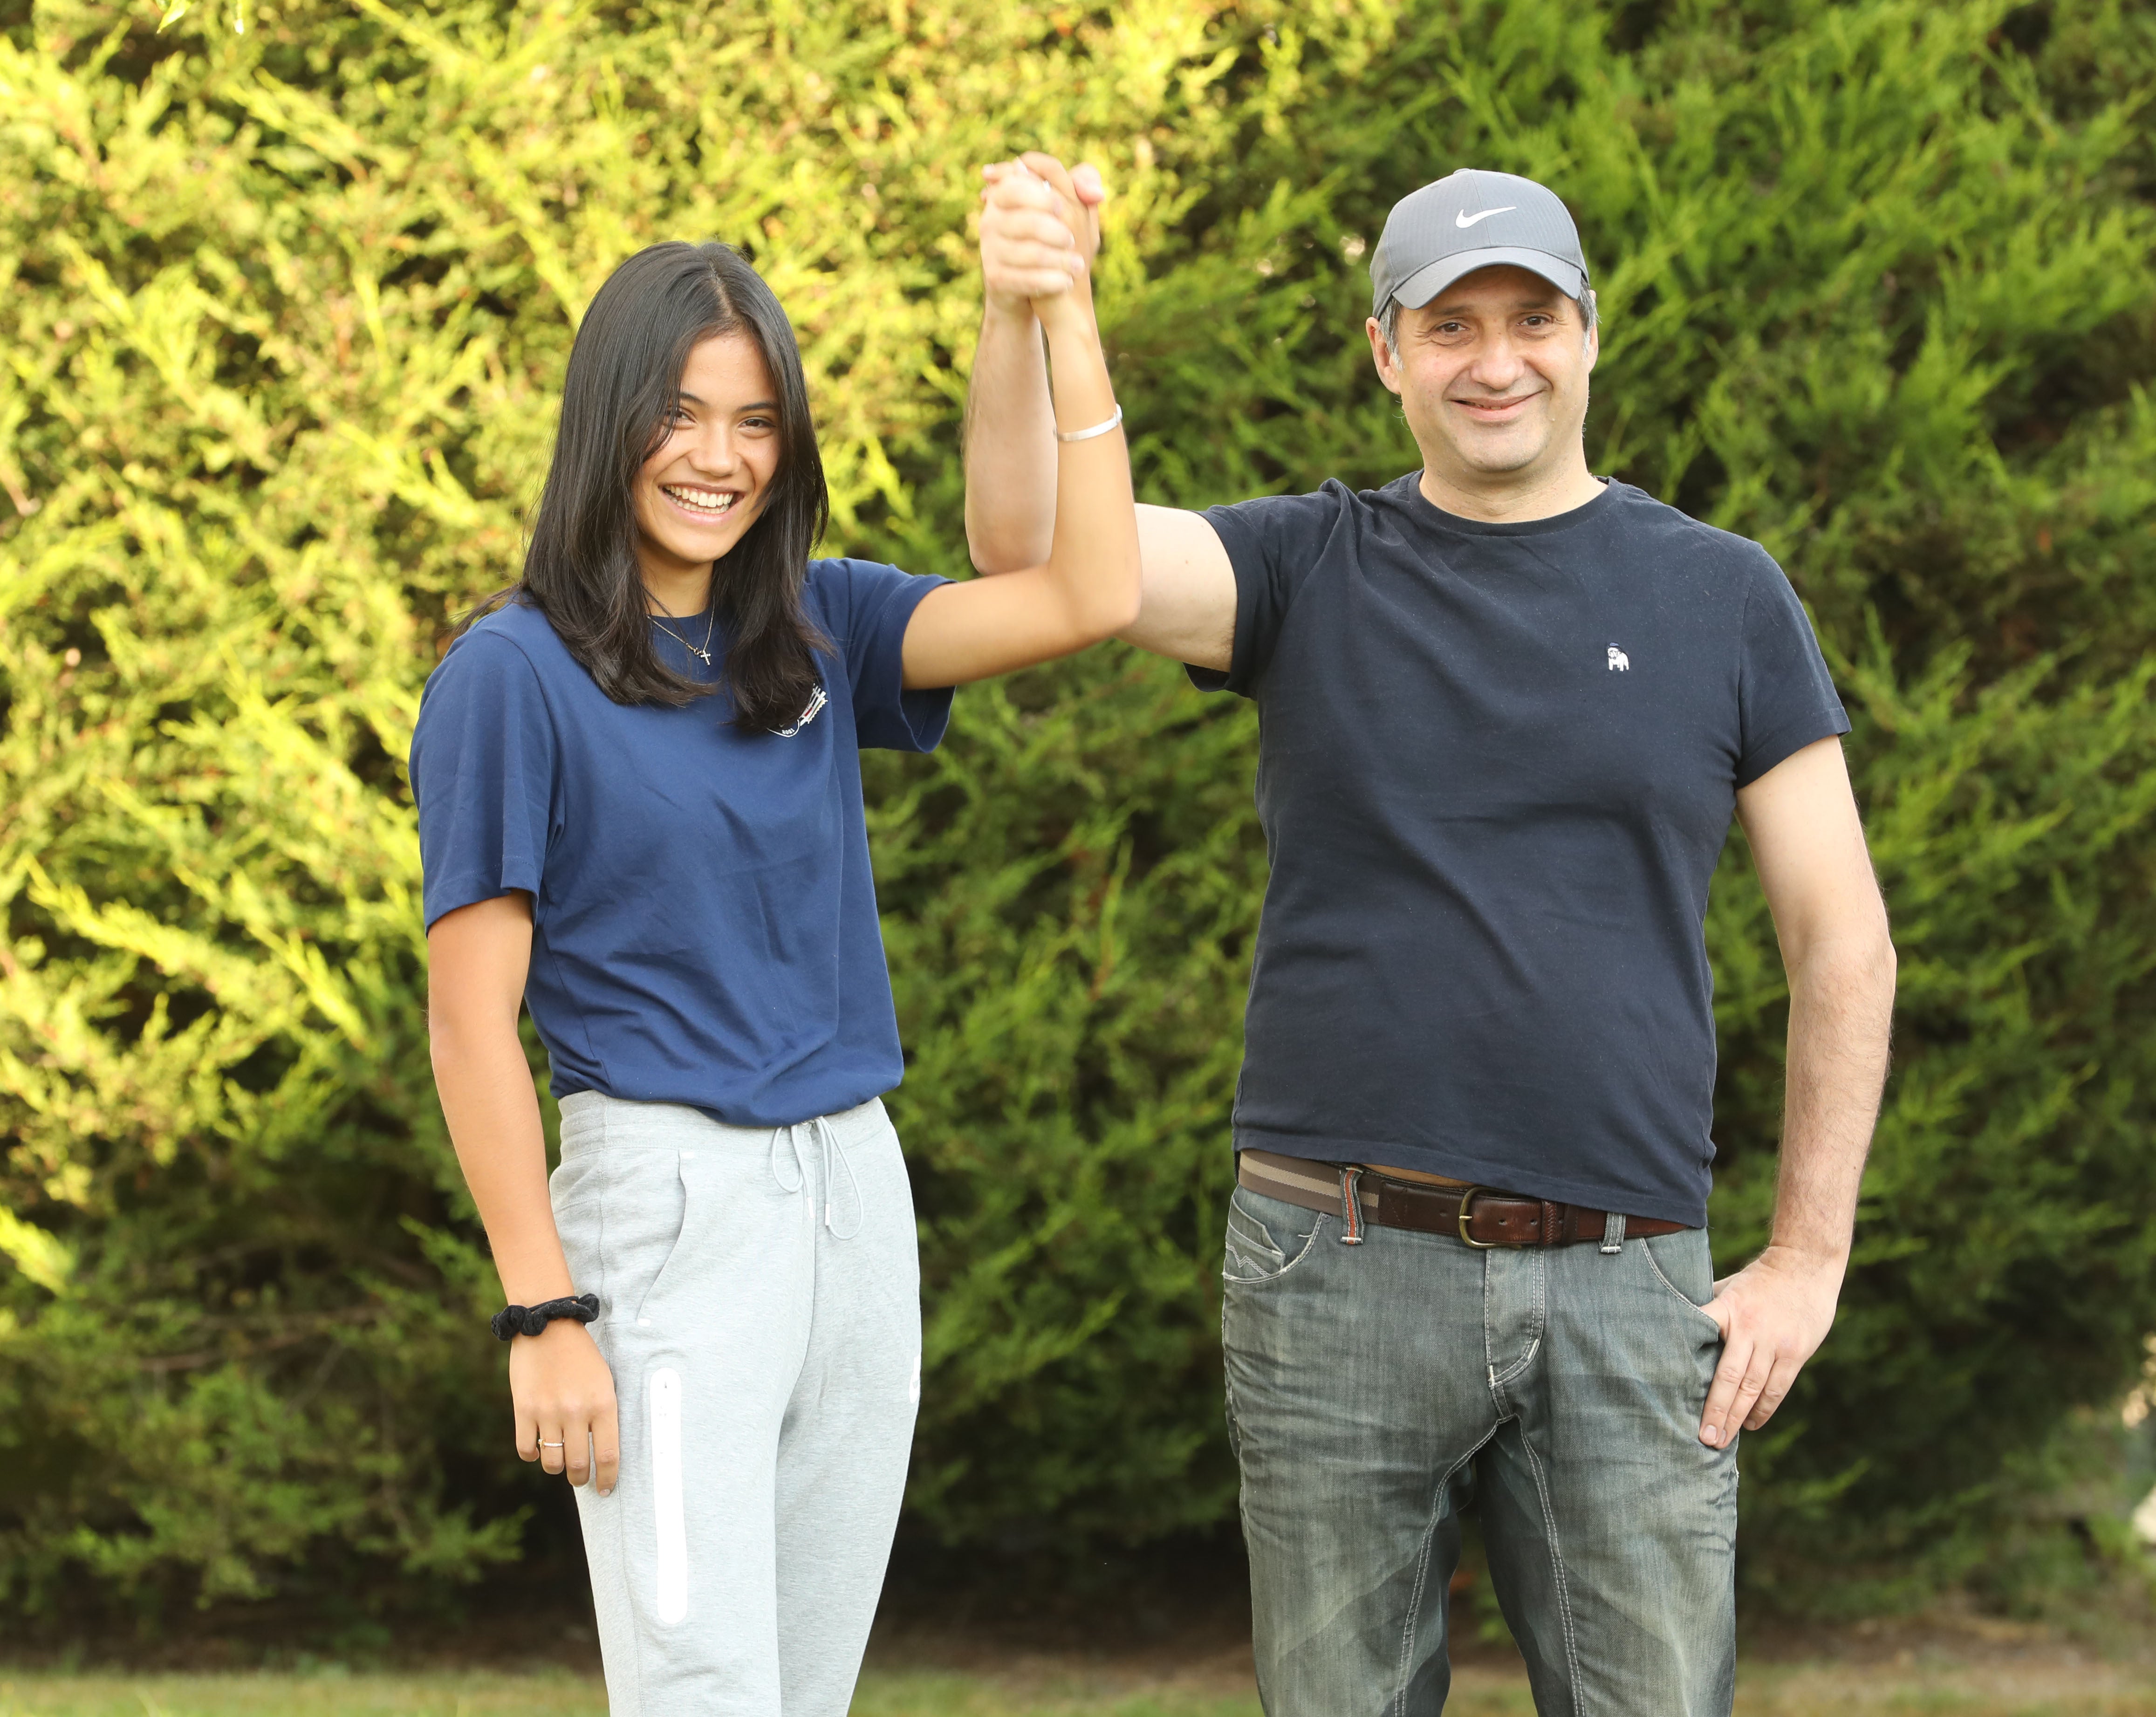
(1492, 379)
(699, 493)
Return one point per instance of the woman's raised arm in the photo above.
(1087, 590)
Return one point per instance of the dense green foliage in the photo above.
(285, 304)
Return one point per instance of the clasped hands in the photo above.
(1041, 230)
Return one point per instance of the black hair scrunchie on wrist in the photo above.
(513, 1321)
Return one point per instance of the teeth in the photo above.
(702, 500)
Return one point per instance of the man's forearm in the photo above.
(1841, 1005)
(1010, 445)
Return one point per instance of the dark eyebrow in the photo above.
(761, 405)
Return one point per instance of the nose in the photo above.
(1497, 364)
(713, 453)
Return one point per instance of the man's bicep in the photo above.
(1808, 846)
(1188, 610)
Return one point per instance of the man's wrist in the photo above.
(1807, 1254)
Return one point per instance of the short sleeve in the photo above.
(867, 607)
(1272, 543)
(1786, 698)
(483, 771)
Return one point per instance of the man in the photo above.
(1507, 708)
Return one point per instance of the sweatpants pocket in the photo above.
(646, 1215)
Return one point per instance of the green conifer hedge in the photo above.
(288, 289)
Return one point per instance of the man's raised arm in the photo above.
(1028, 250)
(1040, 229)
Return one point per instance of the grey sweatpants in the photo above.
(759, 1295)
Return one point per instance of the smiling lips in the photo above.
(1493, 409)
(706, 503)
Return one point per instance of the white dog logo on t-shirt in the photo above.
(1620, 663)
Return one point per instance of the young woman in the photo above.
(640, 814)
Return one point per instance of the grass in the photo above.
(2054, 1685)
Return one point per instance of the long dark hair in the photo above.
(617, 403)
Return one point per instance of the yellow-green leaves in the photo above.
(37, 1254)
(285, 295)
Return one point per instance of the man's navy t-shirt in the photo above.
(704, 923)
(1496, 766)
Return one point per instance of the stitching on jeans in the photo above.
(1525, 1359)
(1676, 1293)
(1260, 1244)
(1489, 1354)
(1557, 1566)
(1541, 1328)
(1309, 1245)
(1228, 1404)
(1422, 1571)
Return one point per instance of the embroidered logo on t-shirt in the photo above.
(807, 716)
(1620, 663)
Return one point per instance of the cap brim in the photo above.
(1425, 284)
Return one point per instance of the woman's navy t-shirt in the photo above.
(704, 922)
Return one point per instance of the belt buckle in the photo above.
(1466, 1200)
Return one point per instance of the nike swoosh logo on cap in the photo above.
(1465, 219)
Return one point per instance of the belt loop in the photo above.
(1613, 1232)
(1351, 1203)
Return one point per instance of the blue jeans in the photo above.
(1374, 1389)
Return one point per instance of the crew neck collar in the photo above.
(1429, 512)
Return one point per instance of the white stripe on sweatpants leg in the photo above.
(671, 1527)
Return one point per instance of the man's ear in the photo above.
(1381, 354)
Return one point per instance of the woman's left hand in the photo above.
(562, 1390)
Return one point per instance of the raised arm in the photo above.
(1028, 248)
(561, 1389)
(1035, 218)
(1808, 846)
(1086, 589)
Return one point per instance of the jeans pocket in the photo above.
(1684, 1264)
(1263, 1244)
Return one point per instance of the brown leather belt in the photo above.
(1482, 1217)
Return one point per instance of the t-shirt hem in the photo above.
(837, 1099)
(454, 894)
(1246, 558)
(924, 712)
(1506, 1177)
(1785, 741)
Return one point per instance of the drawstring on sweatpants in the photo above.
(822, 1128)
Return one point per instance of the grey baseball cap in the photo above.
(1470, 220)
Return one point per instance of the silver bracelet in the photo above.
(1097, 429)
